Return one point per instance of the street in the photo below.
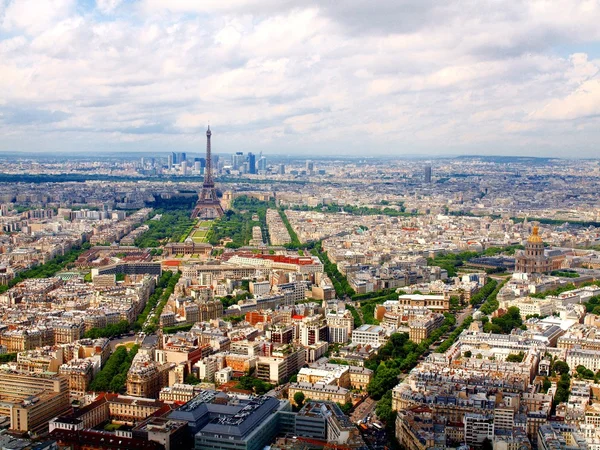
(115, 342)
(363, 410)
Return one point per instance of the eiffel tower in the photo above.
(208, 205)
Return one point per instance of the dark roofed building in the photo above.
(221, 422)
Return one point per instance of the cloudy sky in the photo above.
(330, 76)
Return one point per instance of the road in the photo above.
(461, 316)
(115, 342)
(363, 410)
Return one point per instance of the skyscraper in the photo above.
(237, 160)
(202, 161)
(262, 163)
(208, 205)
(170, 161)
(310, 167)
(427, 174)
(251, 162)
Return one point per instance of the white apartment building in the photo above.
(206, 368)
(478, 427)
(259, 288)
(369, 335)
(590, 359)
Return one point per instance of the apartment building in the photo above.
(30, 400)
(369, 335)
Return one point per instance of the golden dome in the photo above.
(535, 238)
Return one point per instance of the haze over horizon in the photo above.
(287, 77)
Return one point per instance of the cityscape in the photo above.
(321, 226)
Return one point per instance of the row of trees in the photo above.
(295, 242)
(357, 210)
(340, 283)
(368, 308)
(8, 357)
(113, 376)
(237, 222)
(454, 335)
(178, 328)
(546, 221)
(258, 207)
(451, 261)
(508, 250)
(563, 389)
(163, 281)
(108, 331)
(173, 225)
(373, 294)
(166, 293)
(234, 225)
(564, 273)
(50, 268)
(484, 292)
(491, 303)
(398, 355)
(355, 315)
(164, 289)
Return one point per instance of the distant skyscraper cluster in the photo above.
(248, 163)
(179, 163)
(310, 167)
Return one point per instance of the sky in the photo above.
(339, 77)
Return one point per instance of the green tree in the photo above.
(515, 357)
(299, 399)
(191, 379)
(563, 389)
(561, 367)
(547, 384)
(384, 409)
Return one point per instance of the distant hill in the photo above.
(509, 159)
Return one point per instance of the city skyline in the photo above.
(317, 78)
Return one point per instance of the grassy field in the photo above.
(199, 233)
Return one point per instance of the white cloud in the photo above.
(583, 102)
(34, 16)
(108, 6)
(285, 75)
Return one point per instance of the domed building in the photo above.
(533, 258)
